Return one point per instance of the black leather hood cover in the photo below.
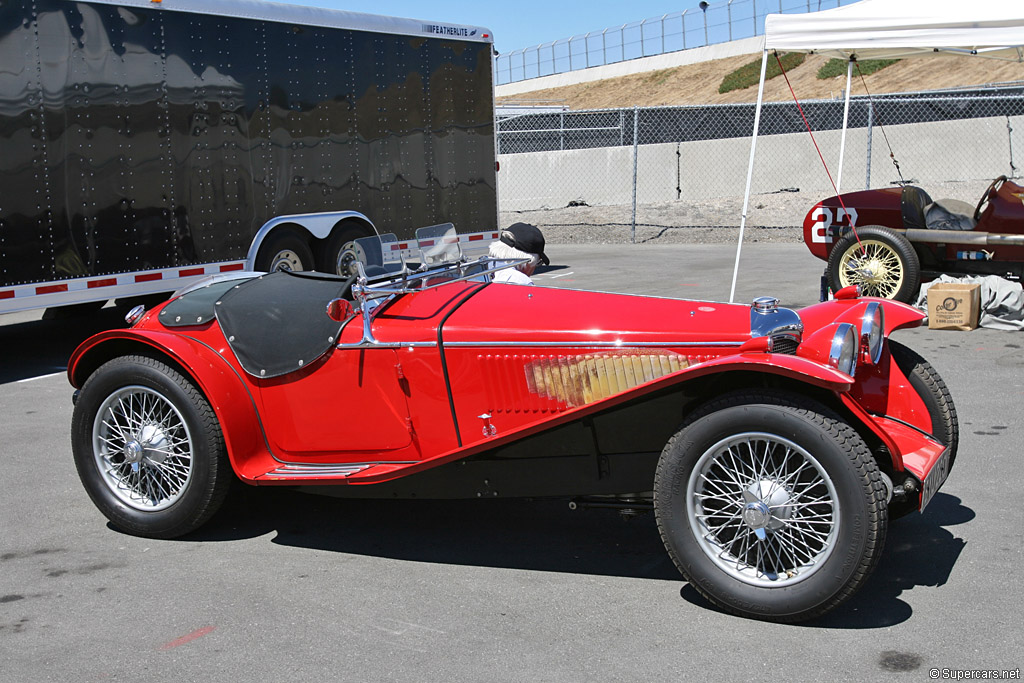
(277, 323)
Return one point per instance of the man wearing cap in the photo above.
(519, 241)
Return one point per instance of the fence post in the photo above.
(561, 130)
(636, 142)
(682, 24)
(604, 47)
(871, 124)
(755, 17)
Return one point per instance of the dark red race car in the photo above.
(902, 237)
(773, 445)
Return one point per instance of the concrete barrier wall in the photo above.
(975, 149)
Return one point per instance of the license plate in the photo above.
(935, 478)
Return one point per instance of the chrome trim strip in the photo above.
(372, 344)
(314, 471)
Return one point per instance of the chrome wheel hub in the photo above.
(142, 448)
(763, 509)
(286, 260)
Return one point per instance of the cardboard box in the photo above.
(953, 306)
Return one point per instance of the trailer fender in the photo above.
(219, 382)
(317, 225)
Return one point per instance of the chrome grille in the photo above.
(785, 345)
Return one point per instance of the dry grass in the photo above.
(698, 83)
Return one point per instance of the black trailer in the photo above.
(145, 143)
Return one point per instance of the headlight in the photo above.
(843, 354)
(872, 330)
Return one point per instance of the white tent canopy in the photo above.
(877, 29)
(880, 29)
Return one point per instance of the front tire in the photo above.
(149, 449)
(882, 262)
(770, 505)
(284, 250)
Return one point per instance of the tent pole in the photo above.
(846, 118)
(750, 173)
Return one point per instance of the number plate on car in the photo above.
(935, 478)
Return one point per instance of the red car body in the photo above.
(988, 241)
(474, 389)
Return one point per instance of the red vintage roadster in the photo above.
(773, 445)
(902, 237)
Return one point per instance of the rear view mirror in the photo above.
(340, 310)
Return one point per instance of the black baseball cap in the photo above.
(527, 238)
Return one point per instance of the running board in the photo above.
(303, 472)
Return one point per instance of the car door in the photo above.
(350, 407)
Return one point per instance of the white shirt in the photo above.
(512, 276)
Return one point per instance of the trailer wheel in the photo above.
(148, 448)
(338, 254)
(770, 505)
(882, 262)
(284, 250)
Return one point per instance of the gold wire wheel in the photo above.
(875, 266)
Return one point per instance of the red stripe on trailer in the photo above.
(426, 243)
(149, 277)
(51, 289)
(233, 266)
(9, 294)
(474, 238)
(109, 282)
(189, 272)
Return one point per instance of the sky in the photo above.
(516, 23)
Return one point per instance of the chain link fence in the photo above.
(716, 22)
(665, 169)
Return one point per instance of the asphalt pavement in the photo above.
(285, 586)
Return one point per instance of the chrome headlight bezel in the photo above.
(872, 332)
(843, 352)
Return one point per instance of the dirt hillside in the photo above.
(698, 83)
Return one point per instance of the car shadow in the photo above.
(919, 552)
(540, 535)
(33, 348)
(544, 535)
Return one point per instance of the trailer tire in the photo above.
(338, 254)
(284, 250)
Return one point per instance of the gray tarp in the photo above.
(1002, 301)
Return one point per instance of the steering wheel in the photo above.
(992, 189)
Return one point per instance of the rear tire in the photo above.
(882, 262)
(149, 449)
(770, 505)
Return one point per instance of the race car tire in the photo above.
(284, 249)
(890, 269)
(770, 505)
(338, 253)
(930, 386)
(148, 448)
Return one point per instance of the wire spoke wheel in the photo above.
(881, 261)
(143, 448)
(873, 265)
(763, 509)
(770, 504)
